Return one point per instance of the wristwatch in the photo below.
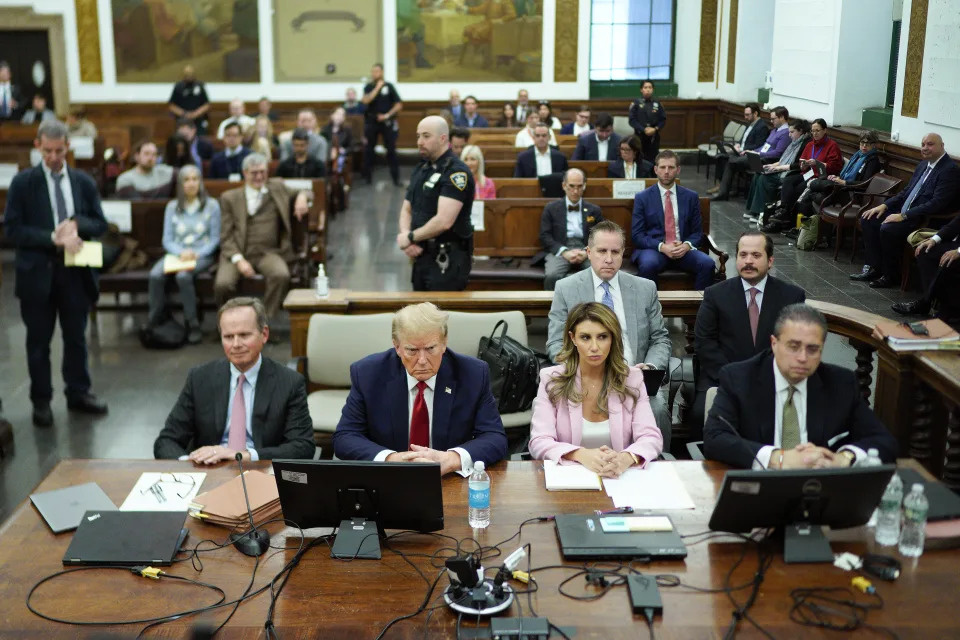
(850, 455)
(410, 237)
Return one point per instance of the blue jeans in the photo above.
(188, 294)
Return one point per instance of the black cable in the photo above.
(822, 608)
(741, 612)
(558, 630)
(648, 615)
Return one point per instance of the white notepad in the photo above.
(655, 487)
(569, 477)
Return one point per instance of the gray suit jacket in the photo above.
(316, 148)
(281, 422)
(645, 330)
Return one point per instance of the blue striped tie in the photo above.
(607, 298)
(915, 190)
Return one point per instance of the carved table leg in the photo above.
(864, 370)
(921, 435)
(951, 463)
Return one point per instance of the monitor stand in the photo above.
(357, 538)
(805, 543)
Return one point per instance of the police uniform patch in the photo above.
(459, 180)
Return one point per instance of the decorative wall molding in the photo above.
(88, 41)
(732, 42)
(913, 70)
(18, 18)
(706, 68)
(566, 41)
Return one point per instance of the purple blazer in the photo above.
(556, 430)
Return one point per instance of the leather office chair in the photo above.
(695, 449)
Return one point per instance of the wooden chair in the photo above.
(710, 150)
(833, 212)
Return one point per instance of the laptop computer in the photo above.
(754, 161)
(127, 538)
(944, 503)
(63, 508)
(582, 537)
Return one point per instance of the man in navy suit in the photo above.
(229, 161)
(934, 189)
(669, 240)
(601, 144)
(736, 317)
(421, 402)
(788, 410)
(541, 159)
(50, 211)
(469, 117)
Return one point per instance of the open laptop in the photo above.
(127, 538)
(582, 537)
(754, 161)
(63, 508)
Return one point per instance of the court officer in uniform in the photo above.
(647, 118)
(435, 226)
(383, 104)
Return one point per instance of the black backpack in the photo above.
(514, 370)
(166, 334)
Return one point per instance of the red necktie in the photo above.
(669, 224)
(420, 420)
(754, 312)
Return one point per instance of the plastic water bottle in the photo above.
(323, 286)
(873, 460)
(888, 520)
(915, 508)
(479, 514)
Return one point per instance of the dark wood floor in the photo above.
(142, 385)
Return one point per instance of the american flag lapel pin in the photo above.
(447, 390)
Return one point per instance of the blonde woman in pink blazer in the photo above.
(592, 408)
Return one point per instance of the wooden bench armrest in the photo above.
(722, 256)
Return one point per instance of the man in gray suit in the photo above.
(633, 299)
(245, 404)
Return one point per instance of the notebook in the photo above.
(569, 477)
(63, 508)
(126, 538)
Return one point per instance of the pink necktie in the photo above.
(754, 312)
(237, 440)
(669, 224)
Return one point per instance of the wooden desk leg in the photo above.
(864, 370)
(928, 438)
(299, 323)
(951, 462)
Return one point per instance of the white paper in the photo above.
(82, 147)
(569, 477)
(809, 174)
(176, 495)
(7, 172)
(298, 184)
(628, 188)
(656, 487)
(476, 215)
(119, 213)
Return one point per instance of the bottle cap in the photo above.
(478, 465)
(870, 452)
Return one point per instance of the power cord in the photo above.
(836, 608)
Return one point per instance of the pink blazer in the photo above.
(556, 430)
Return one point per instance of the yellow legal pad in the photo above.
(90, 255)
(172, 264)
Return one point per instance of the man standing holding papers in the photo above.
(50, 212)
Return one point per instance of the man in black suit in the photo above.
(564, 228)
(50, 212)
(735, 160)
(938, 259)
(934, 189)
(788, 410)
(229, 162)
(541, 159)
(600, 144)
(736, 317)
(245, 404)
(11, 100)
(198, 147)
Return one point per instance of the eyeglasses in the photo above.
(812, 350)
(180, 484)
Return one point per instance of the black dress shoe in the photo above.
(883, 282)
(865, 276)
(87, 403)
(915, 308)
(773, 226)
(42, 415)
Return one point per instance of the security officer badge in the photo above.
(459, 180)
(656, 105)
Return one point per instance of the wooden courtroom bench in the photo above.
(511, 237)
(530, 187)
(504, 168)
(509, 152)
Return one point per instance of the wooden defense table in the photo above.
(332, 599)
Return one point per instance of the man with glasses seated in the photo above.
(420, 401)
(564, 228)
(789, 410)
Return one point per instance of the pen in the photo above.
(617, 511)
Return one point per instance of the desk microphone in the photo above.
(254, 542)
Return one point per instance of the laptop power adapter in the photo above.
(519, 628)
(644, 594)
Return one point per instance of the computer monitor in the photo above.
(361, 498)
(799, 500)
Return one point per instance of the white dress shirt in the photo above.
(466, 461)
(64, 186)
(5, 92)
(618, 309)
(254, 198)
(630, 170)
(249, 386)
(577, 129)
(676, 210)
(782, 386)
(759, 287)
(602, 146)
(746, 134)
(524, 139)
(544, 162)
(594, 435)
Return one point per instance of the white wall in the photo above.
(110, 91)
(940, 82)
(864, 49)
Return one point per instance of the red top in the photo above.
(827, 152)
(486, 192)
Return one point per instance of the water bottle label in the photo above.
(914, 514)
(480, 498)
